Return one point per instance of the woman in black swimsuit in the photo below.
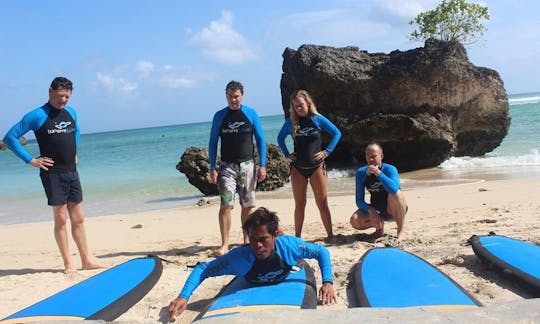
(305, 126)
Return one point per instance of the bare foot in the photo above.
(221, 251)
(92, 264)
(69, 270)
(402, 236)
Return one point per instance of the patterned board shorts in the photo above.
(237, 178)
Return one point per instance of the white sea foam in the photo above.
(340, 173)
(524, 99)
(454, 163)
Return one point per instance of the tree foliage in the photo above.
(452, 20)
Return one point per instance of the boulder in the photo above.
(195, 164)
(423, 105)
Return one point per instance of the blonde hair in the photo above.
(312, 109)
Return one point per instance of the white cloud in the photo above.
(372, 25)
(144, 68)
(175, 82)
(145, 74)
(406, 9)
(222, 43)
(116, 83)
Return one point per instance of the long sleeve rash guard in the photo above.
(239, 261)
(236, 128)
(57, 133)
(388, 178)
(321, 123)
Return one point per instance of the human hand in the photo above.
(213, 176)
(177, 306)
(373, 169)
(321, 155)
(42, 163)
(326, 294)
(261, 174)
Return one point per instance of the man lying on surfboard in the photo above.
(267, 259)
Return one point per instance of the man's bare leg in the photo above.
(244, 216)
(224, 228)
(78, 231)
(397, 207)
(60, 235)
(362, 221)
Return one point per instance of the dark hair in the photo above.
(260, 217)
(61, 82)
(234, 85)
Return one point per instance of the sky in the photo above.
(139, 63)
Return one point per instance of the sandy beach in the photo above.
(440, 221)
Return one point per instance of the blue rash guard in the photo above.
(241, 261)
(57, 134)
(236, 129)
(307, 141)
(378, 186)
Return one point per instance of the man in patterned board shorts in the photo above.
(235, 125)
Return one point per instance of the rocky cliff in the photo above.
(423, 105)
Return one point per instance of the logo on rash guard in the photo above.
(304, 131)
(61, 127)
(270, 276)
(233, 127)
(375, 187)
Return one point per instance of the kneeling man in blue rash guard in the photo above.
(266, 253)
(387, 201)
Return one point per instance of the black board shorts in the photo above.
(61, 187)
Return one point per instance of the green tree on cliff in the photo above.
(453, 21)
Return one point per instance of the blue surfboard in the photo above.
(517, 260)
(296, 291)
(104, 296)
(390, 277)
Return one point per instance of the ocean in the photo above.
(134, 170)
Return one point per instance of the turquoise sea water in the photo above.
(134, 170)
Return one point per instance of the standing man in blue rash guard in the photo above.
(305, 126)
(387, 200)
(57, 133)
(235, 126)
(266, 253)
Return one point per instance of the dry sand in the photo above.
(439, 222)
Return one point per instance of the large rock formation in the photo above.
(423, 105)
(195, 164)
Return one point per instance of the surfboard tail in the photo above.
(391, 277)
(515, 260)
(104, 296)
